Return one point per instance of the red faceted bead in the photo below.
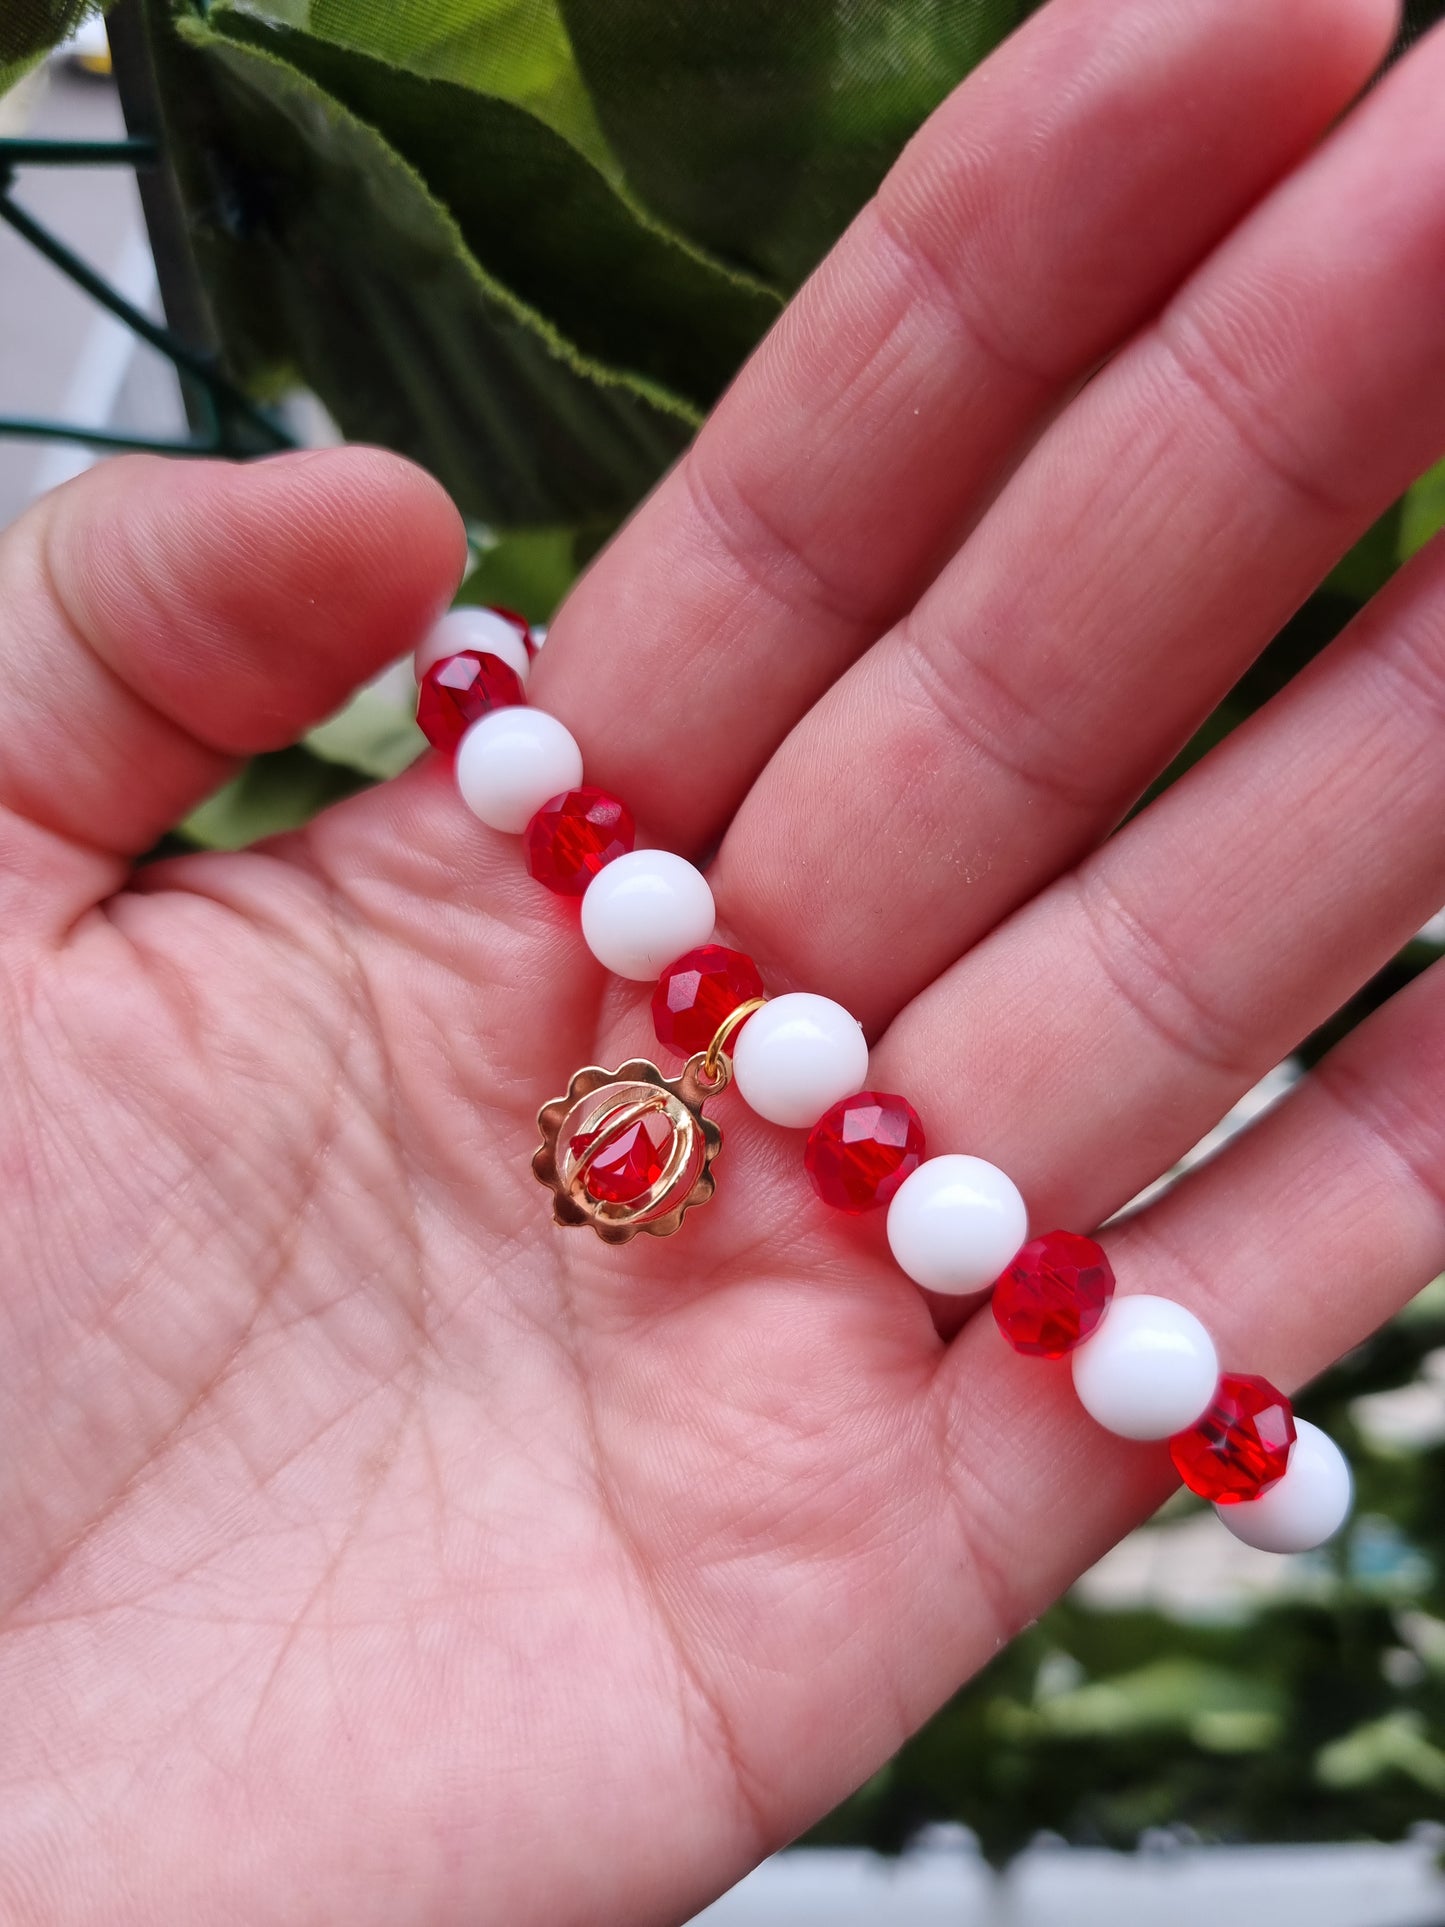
(1053, 1294)
(629, 1164)
(860, 1151)
(1241, 1446)
(458, 690)
(573, 835)
(696, 993)
(518, 622)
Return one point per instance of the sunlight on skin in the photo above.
(372, 1552)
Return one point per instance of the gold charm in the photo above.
(630, 1150)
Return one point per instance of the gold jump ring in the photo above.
(714, 1056)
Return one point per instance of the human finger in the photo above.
(1041, 215)
(1101, 1031)
(160, 619)
(1154, 540)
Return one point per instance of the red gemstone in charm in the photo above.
(573, 835)
(629, 1163)
(1241, 1446)
(695, 994)
(860, 1151)
(1053, 1294)
(458, 690)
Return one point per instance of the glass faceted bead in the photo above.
(629, 1163)
(573, 835)
(518, 622)
(1241, 1446)
(459, 690)
(1053, 1294)
(695, 995)
(861, 1150)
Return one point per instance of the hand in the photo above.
(374, 1552)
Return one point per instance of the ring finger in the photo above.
(1101, 1031)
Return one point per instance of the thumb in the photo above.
(160, 619)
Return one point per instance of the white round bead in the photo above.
(956, 1223)
(1148, 1371)
(510, 762)
(797, 1056)
(1304, 1508)
(480, 629)
(643, 910)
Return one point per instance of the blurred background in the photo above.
(527, 242)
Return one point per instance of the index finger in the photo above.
(1042, 213)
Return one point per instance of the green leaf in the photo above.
(543, 221)
(1368, 566)
(516, 50)
(1226, 1710)
(1398, 1743)
(530, 569)
(1423, 512)
(30, 28)
(327, 258)
(12, 72)
(759, 128)
(273, 793)
(374, 734)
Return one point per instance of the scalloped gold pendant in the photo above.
(630, 1150)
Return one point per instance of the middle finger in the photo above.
(1149, 547)
(1049, 206)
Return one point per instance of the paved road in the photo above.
(944, 1884)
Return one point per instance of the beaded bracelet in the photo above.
(630, 1151)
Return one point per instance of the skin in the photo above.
(371, 1551)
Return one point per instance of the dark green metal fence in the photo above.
(222, 420)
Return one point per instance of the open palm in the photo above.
(372, 1550)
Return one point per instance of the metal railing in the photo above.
(222, 419)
